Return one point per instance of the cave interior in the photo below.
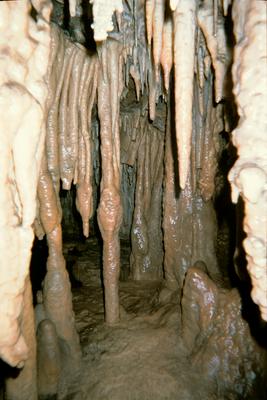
(139, 284)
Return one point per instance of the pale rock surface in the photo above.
(24, 48)
(248, 177)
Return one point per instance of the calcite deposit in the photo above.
(125, 269)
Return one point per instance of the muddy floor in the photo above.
(141, 358)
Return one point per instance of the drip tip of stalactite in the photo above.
(20, 365)
(174, 4)
(183, 171)
(86, 229)
(182, 180)
(72, 8)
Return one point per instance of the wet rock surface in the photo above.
(146, 355)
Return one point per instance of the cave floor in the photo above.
(142, 357)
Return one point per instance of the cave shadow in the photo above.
(86, 22)
(38, 265)
(174, 148)
(74, 221)
(6, 371)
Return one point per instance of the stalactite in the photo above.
(109, 212)
(65, 168)
(217, 44)
(225, 5)
(55, 81)
(249, 175)
(102, 12)
(210, 147)
(150, 5)
(174, 4)
(72, 8)
(73, 107)
(73, 78)
(166, 58)
(157, 25)
(24, 47)
(84, 200)
(184, 50)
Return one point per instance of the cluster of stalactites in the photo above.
(72, 82)
(187, 33)
(177, 33)
(191, 36)
(248, 177)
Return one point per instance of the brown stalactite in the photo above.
(55, 82)
(84, 201)
(65, 168)
(73, 100)
(109, 212)
(216, 43)
(209, 150)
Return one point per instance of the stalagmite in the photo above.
(184, 50)
(248, 177)
(24, 48)
(49, 360)
(109, 212)
(24, 386)
(147, 253)
(57, 291)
